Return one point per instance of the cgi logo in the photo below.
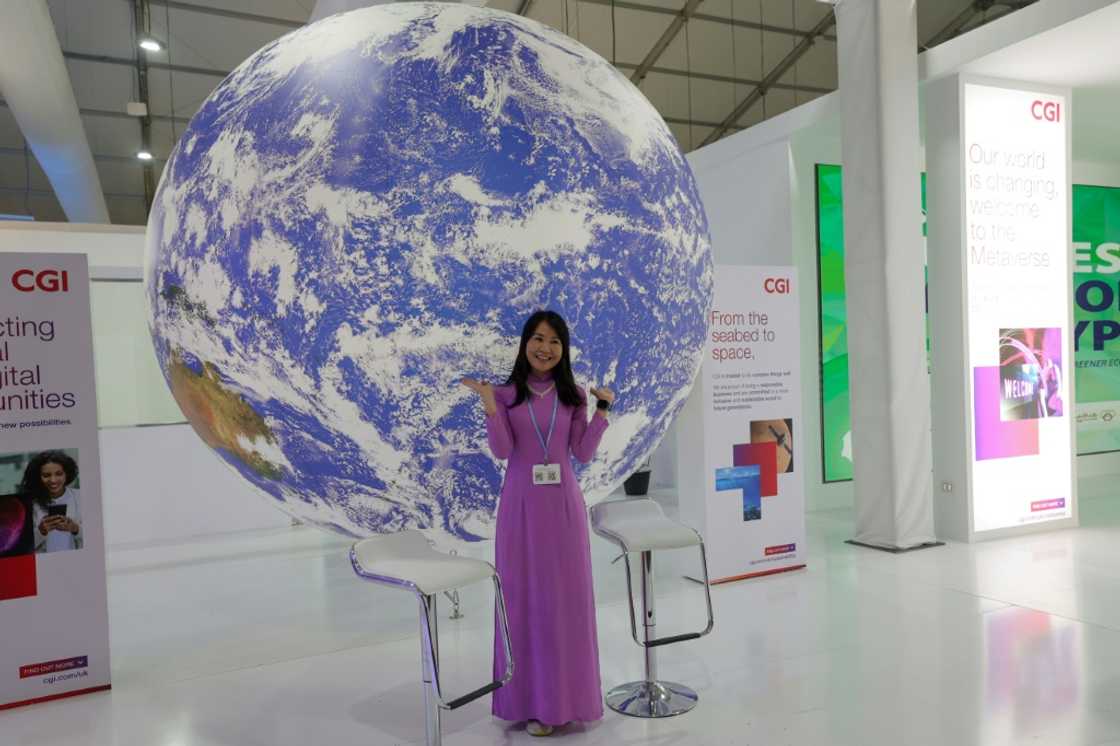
(48, 280)
(1050, 111)
(778, 285)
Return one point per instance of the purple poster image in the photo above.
(1030, 373)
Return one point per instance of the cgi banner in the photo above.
(1017, 228)
(1096, 287)
(53, 607)
(747, 492)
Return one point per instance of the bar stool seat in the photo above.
(639, 525)
(408, 557)
(407, 561)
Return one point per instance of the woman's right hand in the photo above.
(48, 524)
(485, 392)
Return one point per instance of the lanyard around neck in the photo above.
(551, 425)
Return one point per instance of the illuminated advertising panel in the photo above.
(1019, 349)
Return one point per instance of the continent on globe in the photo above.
(176, 298)
(366, 211)
(221, 418)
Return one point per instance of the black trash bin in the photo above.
(637, 483)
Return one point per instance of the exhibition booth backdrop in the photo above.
(795, 159)
(776, 208)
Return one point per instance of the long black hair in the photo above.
(32, 484)
(566, 388)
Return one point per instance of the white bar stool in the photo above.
(406, 560)
(639, 525)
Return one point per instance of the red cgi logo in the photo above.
(779, 285)
(1050, 111)
(48, 280)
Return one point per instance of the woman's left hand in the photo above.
(603, 393)
(69, 525)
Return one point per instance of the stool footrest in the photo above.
(671, 639)
(472, 696)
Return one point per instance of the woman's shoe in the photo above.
(537, 728)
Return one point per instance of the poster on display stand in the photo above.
(53, 603)
(1003, 423)
(741, 474)
(1019, 346)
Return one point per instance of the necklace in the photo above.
(551, 386)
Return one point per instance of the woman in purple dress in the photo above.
(538, 421)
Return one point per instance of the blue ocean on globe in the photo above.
(366, 211)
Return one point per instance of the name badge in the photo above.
(546, 474)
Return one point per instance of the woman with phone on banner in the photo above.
(56, 512)
(538, 421)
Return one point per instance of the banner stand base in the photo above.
(747, 576)
(53, 697)
(896, 550)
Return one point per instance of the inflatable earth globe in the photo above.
(367, 210)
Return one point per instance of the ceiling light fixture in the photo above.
(144, 155)
(150, 44)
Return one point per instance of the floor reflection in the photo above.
(1033, 673)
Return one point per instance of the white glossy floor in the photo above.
(270, 639)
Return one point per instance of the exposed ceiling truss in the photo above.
(771, 78)
(969, 13)
(666, 39)
(711, 69)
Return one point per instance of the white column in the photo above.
(877, 54)
(36, 85)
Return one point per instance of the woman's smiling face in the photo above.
(544, 349)
(53, 477)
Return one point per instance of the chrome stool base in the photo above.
(651, 699)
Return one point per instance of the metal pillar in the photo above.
(429, 655)
(649, 619)
(142, 18)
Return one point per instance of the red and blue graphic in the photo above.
(765, 457)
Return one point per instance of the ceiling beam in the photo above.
(50, 193)
(129, 159)
(696, 122)
(771, 78)
(131, 63)
(621, 66)
(959, 21)
(525, 7)
(666, 39)
(726, 78)
(223, 13)
(118, 114)
(624, 5)
(976, 7)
